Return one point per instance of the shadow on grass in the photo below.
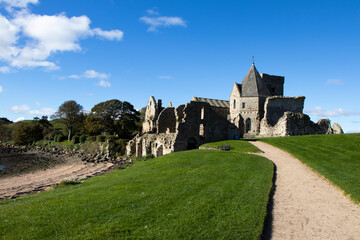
(268, 222)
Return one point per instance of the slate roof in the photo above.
(252, 85)
(212, 102)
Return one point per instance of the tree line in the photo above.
(113, 117)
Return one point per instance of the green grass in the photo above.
(198, 194)
(235, 146)
(336, 157)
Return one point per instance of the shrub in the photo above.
(111, 138)
(82, 138)
(70, 181)
(59, 138)
(75, 139)
(100, 138)
(91, 138)
(120, 146)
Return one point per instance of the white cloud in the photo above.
(43, 35)
(319, 111)
(4, 69)
(42, 111)
(103, 83)
(152, 11)
(8, 33)
(94, 74)
(20, 109)
(25, 109)
(336, 82)
(19, 119)
(37, 103)
(19, 3)
(109, 35)
(1, 89)
(165, 77)
(74, 76)
(155, 22)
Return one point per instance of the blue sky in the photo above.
(96, 50)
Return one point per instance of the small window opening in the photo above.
(243, 105)
(234, 104)
(201, 130)
(202, 113)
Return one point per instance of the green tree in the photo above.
(70, 112)
(27, 133)
(5, 129)
(112, 117)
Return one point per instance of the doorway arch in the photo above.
(248, 125)
(192, 143)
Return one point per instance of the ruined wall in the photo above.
(150, 143)
(291, 124)
(197, 128)
(275, 84)
(275, 107)
(166, 122)
(151, 114)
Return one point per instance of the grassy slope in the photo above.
(337, 157)
(235, 146)
(199, 194)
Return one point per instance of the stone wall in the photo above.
(166, 122)
(151, 143)
(274, 83)
(212, 121)
(275, 107)
(291, 124)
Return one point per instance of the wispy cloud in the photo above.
(154, 21)
(336, 82)
(1, 89)
(319, 111)
(25, 109)
(165, 77)
(43, 35)
(153, 11)
(92, 74)
(103, 83)
(4, 69)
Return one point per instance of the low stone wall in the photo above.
(291, 124)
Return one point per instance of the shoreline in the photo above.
(32, 170)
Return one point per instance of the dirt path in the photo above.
(28, 183)
(307, 206)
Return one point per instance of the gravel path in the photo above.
(305, 205)
(41, 180)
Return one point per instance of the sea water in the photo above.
(2, 167)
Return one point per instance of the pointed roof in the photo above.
(253, 85)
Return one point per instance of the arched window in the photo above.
(248, 125)
(234, 104)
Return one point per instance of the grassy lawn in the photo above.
(235, 146)
(198, 194)
(337, 157)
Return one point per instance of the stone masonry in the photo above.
(257, 108)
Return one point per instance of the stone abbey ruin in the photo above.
(257, 108)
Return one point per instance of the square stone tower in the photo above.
(247, 100)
